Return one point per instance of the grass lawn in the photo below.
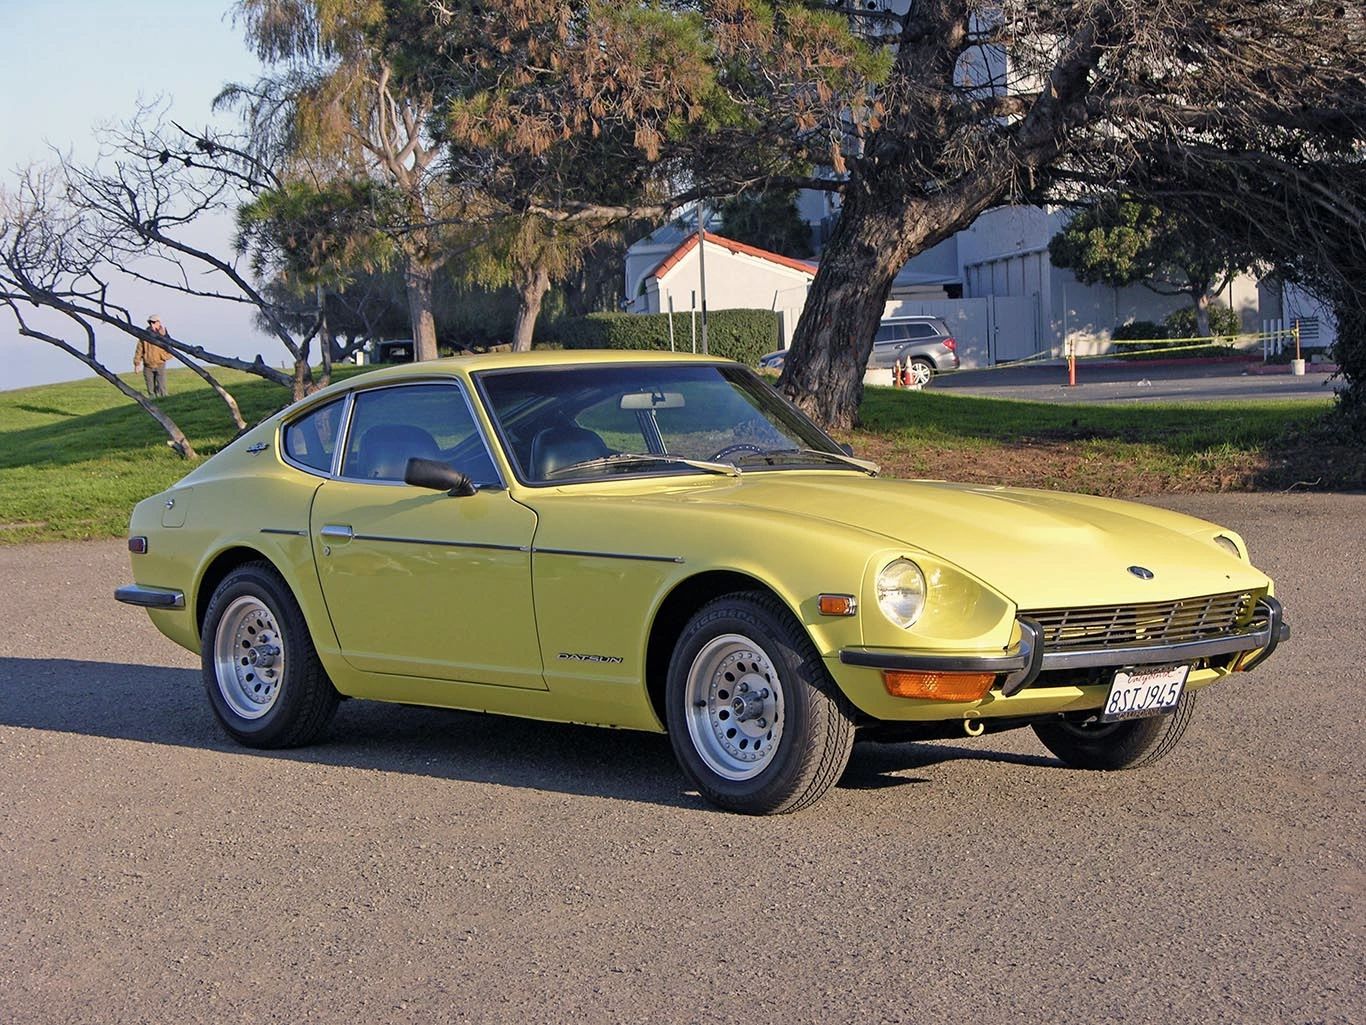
(1122, 450)
(74, 458)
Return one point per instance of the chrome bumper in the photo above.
(1030, 658)
(150, 597)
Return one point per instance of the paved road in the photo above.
(1098, 383)
(426, 866)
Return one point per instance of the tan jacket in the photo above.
(153, 355)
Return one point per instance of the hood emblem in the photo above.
(1142, 572)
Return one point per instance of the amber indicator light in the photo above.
(938, 686)
(837, 604)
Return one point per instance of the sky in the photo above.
(71, 66)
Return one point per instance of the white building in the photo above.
(993, 283)
(664, 273)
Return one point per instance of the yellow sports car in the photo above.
(661, 542)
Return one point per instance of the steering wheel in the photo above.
(742, 446)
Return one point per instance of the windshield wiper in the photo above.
(635, 458)
(777, 455)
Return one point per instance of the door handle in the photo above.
(336, 533)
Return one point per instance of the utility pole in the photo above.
(702, 268)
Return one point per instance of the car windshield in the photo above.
(596, 422)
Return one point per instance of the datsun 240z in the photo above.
(661, 542)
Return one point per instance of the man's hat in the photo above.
(154, 318)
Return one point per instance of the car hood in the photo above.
(1041, 549)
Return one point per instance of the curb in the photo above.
(1284, 368)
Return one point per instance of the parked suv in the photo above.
(924, 341)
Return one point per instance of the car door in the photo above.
(419, 583)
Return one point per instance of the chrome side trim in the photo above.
(284, 530)
(609, 555)
(150, 597)
(442, 544)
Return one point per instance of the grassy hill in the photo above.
(75, 457)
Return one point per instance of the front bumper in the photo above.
(1022, 666)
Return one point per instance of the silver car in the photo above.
(923, 343)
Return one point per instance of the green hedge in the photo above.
(742, 335)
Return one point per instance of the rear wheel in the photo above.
(1117, 745)
(922, 372)
(261, 672)
(755, 720)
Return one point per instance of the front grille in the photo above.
(1166, 622)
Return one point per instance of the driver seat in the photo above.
(561, 446)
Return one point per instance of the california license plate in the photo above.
(1136, 693)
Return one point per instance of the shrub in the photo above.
(1148, 338)
(1222, 321)
(742, 335)
(1140, 329)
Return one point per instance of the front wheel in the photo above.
(755, 720)
(261, 671)
(1117, 745)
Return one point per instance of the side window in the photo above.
(920, 331)
(886, 333)
(389, 426)
(311, 440)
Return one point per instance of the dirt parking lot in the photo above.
(425, 866)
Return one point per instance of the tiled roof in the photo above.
(667, 264)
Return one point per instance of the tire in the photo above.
(1118, 745)
(922, 372)
(261, 671)
(755, 720)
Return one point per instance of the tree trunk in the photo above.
(531, 290)
(1202, 301)
(823, 372)
(418, 277)
(218, 390)
(327, 345)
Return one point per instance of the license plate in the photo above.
(1136, 693)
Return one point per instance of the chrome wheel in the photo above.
(249, 657)
(734, 707)
(921, 373)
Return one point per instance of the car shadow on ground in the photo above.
(159, 705)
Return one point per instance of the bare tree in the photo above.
(131, 216)
(40, 251)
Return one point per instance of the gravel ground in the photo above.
(427, 866)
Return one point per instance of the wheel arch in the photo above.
(217, 571)
(677, 608)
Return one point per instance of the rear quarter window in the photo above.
(311, 440)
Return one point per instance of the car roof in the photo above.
(473, 362)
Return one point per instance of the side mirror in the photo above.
(438, 476)
(848, 450)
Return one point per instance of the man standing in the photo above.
(151, 359)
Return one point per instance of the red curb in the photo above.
(1284, 368)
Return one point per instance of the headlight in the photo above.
(901, 592)
(1229, 545)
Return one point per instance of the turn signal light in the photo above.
(937, 686)
(137, 545)
(837, 604)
